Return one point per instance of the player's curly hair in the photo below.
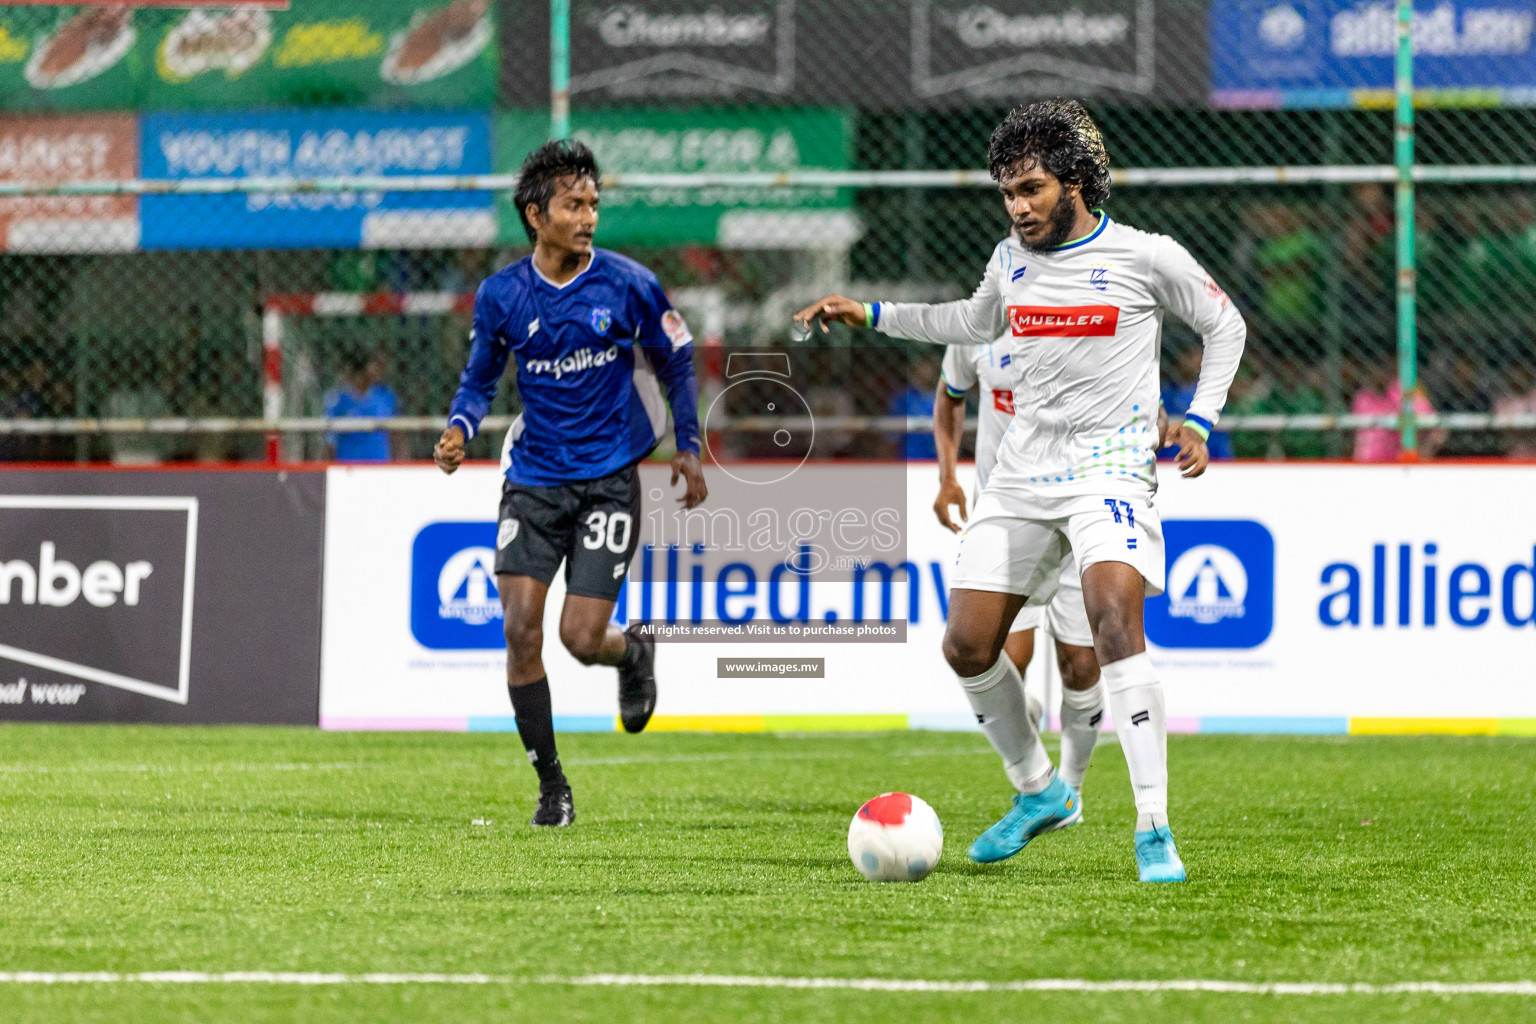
(1059, 136)
(545, 168)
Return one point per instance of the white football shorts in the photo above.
(1017, 543)
(1065, 618)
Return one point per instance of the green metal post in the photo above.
(559, 69)
(1407, 292)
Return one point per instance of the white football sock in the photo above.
(1082, 715)
(1136, 701)
(997, 697)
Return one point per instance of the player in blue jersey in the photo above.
(599, 354)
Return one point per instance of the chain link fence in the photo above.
(179, 285)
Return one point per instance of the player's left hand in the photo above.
(686, 465)
(950, 494)
(1193, 455)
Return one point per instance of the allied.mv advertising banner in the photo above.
(1340, 53)
(1320, 599)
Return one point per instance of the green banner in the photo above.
(440, 53)
(698, 141)
(70, 57)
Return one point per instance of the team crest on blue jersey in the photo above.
(602, 319)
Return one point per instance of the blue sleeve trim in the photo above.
(949, 388)
(875, 318)
(1201, 425)
(464, 424)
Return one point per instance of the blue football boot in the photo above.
(1157, 859)
(1054, 807)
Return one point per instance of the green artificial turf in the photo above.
(1310, 859)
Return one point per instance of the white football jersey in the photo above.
(989, 367)
(1085, 325)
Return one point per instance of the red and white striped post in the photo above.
(272, 376)
(278, 307)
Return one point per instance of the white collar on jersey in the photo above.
(534, 264)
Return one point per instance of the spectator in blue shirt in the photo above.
(1178, 392)
(362, 392)
(916, 399)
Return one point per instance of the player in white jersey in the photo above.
(1083, 300)
(990, 368)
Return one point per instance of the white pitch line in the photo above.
(1212, 986)
(166, 769)
(767, 755)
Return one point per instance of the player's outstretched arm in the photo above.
(449, 451)
(948, 426)
(833, 309)
(977, 320)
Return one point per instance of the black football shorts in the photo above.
(593, 526)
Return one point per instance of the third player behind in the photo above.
(1083, 299)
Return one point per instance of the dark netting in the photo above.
(94, 326)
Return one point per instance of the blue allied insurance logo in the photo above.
(454, 602)
(1221, 585)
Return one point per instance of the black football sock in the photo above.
(631, 656)
(536, 726)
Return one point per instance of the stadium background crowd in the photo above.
(179, 333)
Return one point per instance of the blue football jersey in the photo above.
(593, 356)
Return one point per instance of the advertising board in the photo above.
(179, 597)
(316, 144)
(883, 54)
(702, 141)
(1339, 53)
(69, 148)
(437, 53)
(1301, 598)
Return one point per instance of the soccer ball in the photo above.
(895, 837)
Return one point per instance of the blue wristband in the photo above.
(1199, 425)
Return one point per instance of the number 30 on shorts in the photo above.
(608, 528)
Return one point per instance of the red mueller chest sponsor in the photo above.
(1002, 401)
(1064, 321)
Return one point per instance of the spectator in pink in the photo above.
(1382, 395)
(1520, 401)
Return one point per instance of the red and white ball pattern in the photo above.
(896, 837)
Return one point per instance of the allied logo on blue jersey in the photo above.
(602, 319)
(454, 602)
(1221, 585)
(583, 359)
